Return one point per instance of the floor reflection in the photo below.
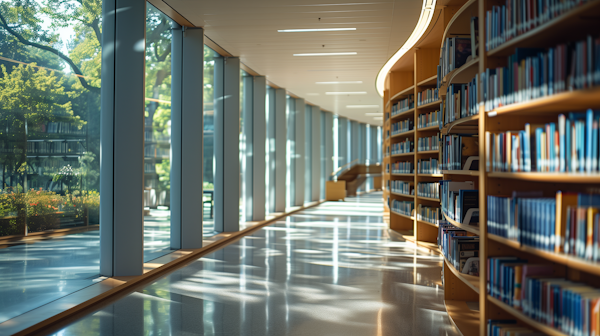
(332, 270)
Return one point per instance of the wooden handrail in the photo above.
(342, 167)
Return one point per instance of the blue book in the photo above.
(538, 144)
(568, 163)
(595, 145)
(589, 121)
(561, 142)
(552, 161)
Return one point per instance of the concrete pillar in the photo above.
(259, 132)
(343, 141)
(316, 153)
(328, 145)
(280, 150)
(300, 151)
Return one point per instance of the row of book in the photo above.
(54, 147)
(509, 328)
(402, 126)
(403, 207)
(461, 101)
(533, 72)
(570, 145)
(403, 105)
(516, 17)
(428, 189)
(403, 168)
(406, 146)
(570, 307)
(429, 166)
(62, 127)
(428, 214)
(427, 96)
(461, 250)
(567, 223)
(428, 143)
(455, 148)
(454, 53)
(428, 119)
(457, 198)
(402, 187)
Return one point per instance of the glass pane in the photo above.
(157, 145)
(49, 150)
(308, 154)
(246, 144)
(270, 150)
(208, 152)
(291, 152)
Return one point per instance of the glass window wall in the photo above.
(291, 152)
(208, 162)
(246, 144)
(308, 154)
(270, 150)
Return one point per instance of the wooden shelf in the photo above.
(460, 23)
(404, 93)
(397, 174)
(561, 258)
(461, 172)
(431, 81)
(402, 195)
(470, 122)
(462, 317)
(560, 102)
(462, 75)
(420, 221)
(411, 132)
(409, 113)
(402, 215)
(430, 175)
(403, 154)
(523, 318)
(430, 105)
(470, 280)
(428, 198)
(549, 177)
(469, 228)
(429, 128)
(437, 151)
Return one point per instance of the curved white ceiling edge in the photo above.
(422, 24)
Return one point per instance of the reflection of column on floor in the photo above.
(126, 317)
(186, 313)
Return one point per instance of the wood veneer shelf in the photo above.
(398, 174)
(430, 105)
(403, 154)
(430, 175)
(402, 195)
(406, 92)
(402, 215)
(428, 198)
(431, 81)
(460, 23)
(561, 258)
(461, 172)
(411, 132)
(420, 221)
(408, 113)
(549, 177)
(523, 318)
(560, 102)
(469, 228)
(470, 121)
(463, 318)
(462, 75)
(546, 34)
(429, 152)
(470, 280)
(429, 128)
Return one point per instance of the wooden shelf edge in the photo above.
(429, 152)
(469, 228)
(522, 317)
(402, 93)
(428, 198)
(578, 99)
(398, 174)
(402, 195)
(429, 81)
(465, 320)
(403, 154)
(461, 172)
(430, 175)
(432, 104)
(448, 127)
(469, 280)
(401, 215)
(420, 221)
(429, 128)
(412, 131)
(408, 113)
(549, 177)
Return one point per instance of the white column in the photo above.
(343, 141)
(328, 145)
(122, 138)
(316, 153)
(280, 150)
(300, 151)
(259, 137)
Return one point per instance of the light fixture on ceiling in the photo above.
(313, 30)
(345, 93)
(373, 114)
(329, 54)
(342, 82)
(361, 106)
(422, 24)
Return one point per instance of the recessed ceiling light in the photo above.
(373, 114)
(328, 54)
(313, 30)
(345, 93)
(343, 82)
(378, 118)
(362, 106)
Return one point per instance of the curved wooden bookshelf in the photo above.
(470, 280)
(561, 258)
(411, 132)
(398, 174)
(431, 81)
(458, 125)
(429, 152)
(465, 320)
(549, 177)
(404, 114)
(462, 75)
(401, 215)
(435, 104)
(429, 128)
(469, 228)
(560, 102)
(460, 22)
(461, 172)
(430, 175)
(523, 318)
(403, 154)
(428, 199)
(420, 221)
(404, 93)
(402, 195)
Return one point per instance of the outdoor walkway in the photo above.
(330, 270)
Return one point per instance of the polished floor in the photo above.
(330, 270)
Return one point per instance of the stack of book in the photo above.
(509, 327)
(402, 187)
(403, 168)
(532, 73)
(455, 148)
(570, 145)
(516, 17)
(406, 146)
(403, 207)
(429, 166)
(461, 101)
(402, 126)
(457, 198)
(428, 119)
(427, 96)
(571, 307)
(428, 189)
(428, 214)
(403, 105)
(429, 143)
(454, 54)
(458, 248)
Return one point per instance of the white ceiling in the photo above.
(248, 29)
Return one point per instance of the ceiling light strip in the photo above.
(313, 30)
(422, 24)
